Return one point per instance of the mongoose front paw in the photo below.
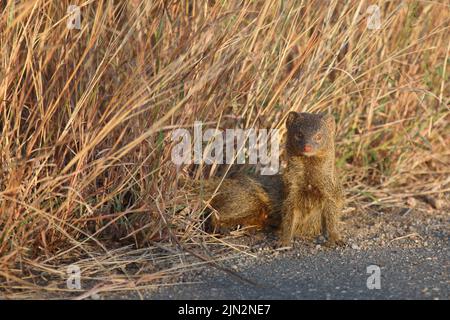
(284, 243)
(336, 241)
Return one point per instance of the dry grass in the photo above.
(85, 119)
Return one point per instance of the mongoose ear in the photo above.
(329, 122)
(291, 117)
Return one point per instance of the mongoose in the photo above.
(305, 200)
(247, 201)
(313, 198)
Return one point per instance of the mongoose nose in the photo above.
(307, 148)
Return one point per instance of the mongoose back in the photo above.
(246, 201)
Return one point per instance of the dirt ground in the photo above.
(410, 245)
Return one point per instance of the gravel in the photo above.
(411, 251)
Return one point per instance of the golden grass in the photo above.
(86, 115)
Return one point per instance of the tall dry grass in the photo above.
(86, 116)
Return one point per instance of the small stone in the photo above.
(411, 202)
(95, 296)
(355, 246)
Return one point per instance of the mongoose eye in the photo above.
(299, 137)
(318, 137)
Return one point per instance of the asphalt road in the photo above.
(405, 273)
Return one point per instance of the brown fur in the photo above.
(245, 201)
(314, 196)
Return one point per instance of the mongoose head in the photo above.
(309, 134)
